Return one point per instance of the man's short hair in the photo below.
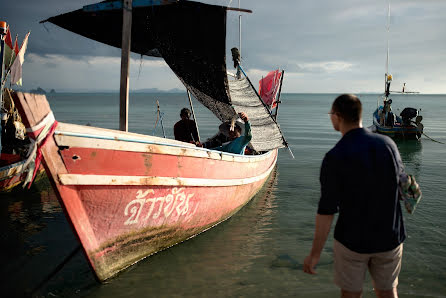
(185, 111)
(349, 107)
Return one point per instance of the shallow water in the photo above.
(256, 253)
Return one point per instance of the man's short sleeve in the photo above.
(329, 177)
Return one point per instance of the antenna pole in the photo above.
(240, 31)
(125, 63)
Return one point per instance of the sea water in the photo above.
(260, 250)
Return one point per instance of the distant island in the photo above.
(41, 91)
(156, 90)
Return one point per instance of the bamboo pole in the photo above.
(125, 63)
(278, 95)
(193, 114)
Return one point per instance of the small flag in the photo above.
(9, 52)
(16, 68)
(16, 46)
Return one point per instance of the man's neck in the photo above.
(346, 127)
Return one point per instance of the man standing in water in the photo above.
(359, 179)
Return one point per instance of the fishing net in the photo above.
(266, 134)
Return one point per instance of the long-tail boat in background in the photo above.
(128, 195)
(408, 124)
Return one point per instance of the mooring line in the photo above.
(432, 139)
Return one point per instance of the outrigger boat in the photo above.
(408, 124)
(128, 195)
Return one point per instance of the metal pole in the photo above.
(193, 114)
(125, 63)
(278, 96)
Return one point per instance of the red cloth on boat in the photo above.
(269, 86)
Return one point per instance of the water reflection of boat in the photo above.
(127, 195)
(411, 153)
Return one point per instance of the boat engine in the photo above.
(407, 115)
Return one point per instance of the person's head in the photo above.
(346, 112)
(185, 114)
(233, 134)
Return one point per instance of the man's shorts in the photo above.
(350, 268)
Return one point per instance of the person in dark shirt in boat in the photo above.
(369, 231)
(238, 142)
(185, 130)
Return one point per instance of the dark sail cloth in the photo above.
(185, 131)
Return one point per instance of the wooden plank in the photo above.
(125, 63)
(239, 9)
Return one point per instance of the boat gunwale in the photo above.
(184, 149)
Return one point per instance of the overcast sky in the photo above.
(323, 45)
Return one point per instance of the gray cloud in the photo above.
(303, 37)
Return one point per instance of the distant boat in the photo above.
(128, 195)
(408, 124)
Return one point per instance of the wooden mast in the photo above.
(125, 63)
(193, 114)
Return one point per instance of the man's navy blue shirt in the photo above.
(359, 179)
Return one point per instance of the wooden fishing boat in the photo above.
(15, 144)
(11, 173)
(13, 140)
(408, 124)
(128, 195)
(398, 127)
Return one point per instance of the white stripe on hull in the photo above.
(80, 179)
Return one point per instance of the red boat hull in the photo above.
(128, 196)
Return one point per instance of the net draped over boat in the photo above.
(191, 38)
(266, 134)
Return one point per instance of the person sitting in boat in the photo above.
(238, 142)
(388, 114)
(185, 130)
(217, 140)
